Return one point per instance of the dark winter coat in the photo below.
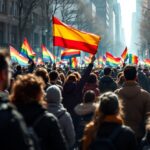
(124, 141)
(72, 92)
(47, 129)
(143, 81)
(13, 132)
(107, 84)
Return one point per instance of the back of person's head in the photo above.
(71, 78)
(4, 72)
(18, 68)
(62, 77)
(107, 71)
(53, 75)
(89, 96)
(77, 74)
(130, 73)
(27, 89)
(42, 72)
(109, 104)
(3, 62)
(92, 78)
(53, 94)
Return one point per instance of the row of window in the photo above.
(14, 36)
(11, 8)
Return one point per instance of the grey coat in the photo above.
(65, 121)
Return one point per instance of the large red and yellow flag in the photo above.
(69, 37)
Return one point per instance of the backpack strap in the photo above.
(61, 115)
(115, 133)
(38, 119)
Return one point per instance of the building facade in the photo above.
(108, 14)
(35, 28)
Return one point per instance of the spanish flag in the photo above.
(69, 37)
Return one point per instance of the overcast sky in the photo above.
(127, 8)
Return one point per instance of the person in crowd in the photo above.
(28, 95)
(145, 143)
(42, 72)
(136, 102)
(92, 84)
(85, 112)
(54, 79)
(106, 83)
(54, 100)
(107, 130)
(62, 78)
(18, 71)
(77, 74)
(72, 90)
(121, 81)
(143, 80)
(11, 122)
(31, 66)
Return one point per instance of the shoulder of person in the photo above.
(128, 131)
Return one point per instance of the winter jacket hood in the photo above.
(85, 109)
(56, 109)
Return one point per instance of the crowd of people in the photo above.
(45, 107)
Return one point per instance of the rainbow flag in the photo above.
(112, 61)
(74, 62)
(125, 54)
(16, 57)
(87, 60)
(101, 60)
(69, 53)
(47, 55)
(133, 59)
(26, 50)
(147, 62)
(69, 37)
(40, 61)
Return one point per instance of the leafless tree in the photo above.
(25, 8)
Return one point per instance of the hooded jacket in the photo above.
(107, 84)
(136, 103)
(85, 112)
(54, 99)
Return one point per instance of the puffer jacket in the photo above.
(136, 103)
(47, 129)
